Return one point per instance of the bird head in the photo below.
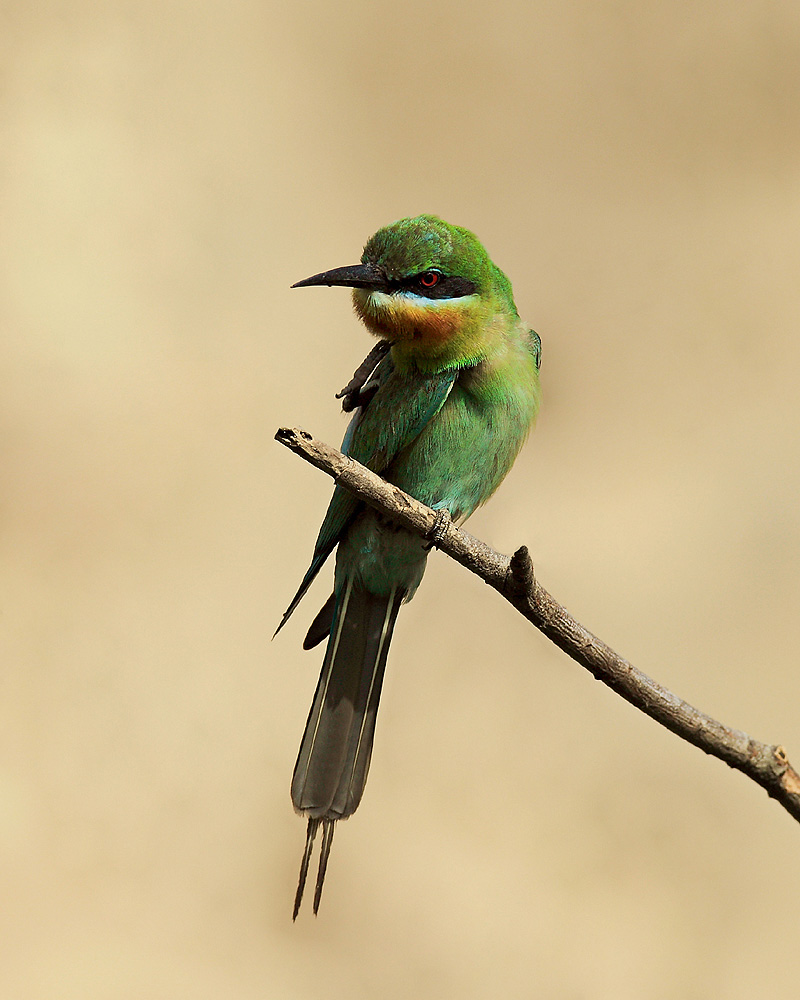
(430, 288)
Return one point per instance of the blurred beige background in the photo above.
(168, 169)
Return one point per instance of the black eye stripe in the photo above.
(447, 287)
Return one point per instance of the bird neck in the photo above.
(434, 334)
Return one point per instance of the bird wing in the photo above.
(389, 419)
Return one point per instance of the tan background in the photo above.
(168, 170)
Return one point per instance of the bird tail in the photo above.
(331, 769)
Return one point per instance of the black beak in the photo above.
(353, 276)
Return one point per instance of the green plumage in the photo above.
(442, 415)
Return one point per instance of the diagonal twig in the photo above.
(514, 579)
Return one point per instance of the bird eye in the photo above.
(430, 278)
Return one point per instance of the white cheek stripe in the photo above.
(383, 300)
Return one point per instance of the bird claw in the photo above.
(440, 527)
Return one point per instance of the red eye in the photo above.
(429, 278)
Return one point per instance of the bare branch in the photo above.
(514, 579)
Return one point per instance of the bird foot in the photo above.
(440, 527)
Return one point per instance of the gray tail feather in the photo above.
(321, 627)
(332, 765)
(333, 762)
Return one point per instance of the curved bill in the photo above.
(353, 276)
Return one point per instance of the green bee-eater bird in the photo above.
(442, 405)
